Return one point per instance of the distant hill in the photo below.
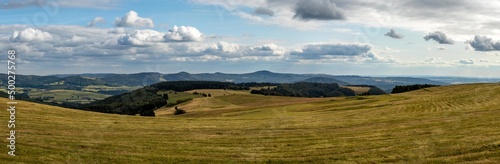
(324, 80)
(259, 76)
(77, 82)
(462, 80)
(384, 83)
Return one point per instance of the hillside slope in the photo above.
(458, 123)
(324, 80)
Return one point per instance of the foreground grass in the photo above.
(442, 124)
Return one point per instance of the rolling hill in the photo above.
(384, 83)
(324, 80)
(449, 124)
(80, 81)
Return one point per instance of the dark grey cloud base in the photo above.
(439, 37)
(394, 35)
(318, 10)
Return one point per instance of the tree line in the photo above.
(407, 88)
(306, 89)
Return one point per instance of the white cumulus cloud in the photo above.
(132, 19)
(140, 37)
(183, 34)
(224, 47)
(30, 34)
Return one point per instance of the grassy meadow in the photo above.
(450, 124)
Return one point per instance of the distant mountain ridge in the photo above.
(324, 80)
(148, 78)
(385, 83)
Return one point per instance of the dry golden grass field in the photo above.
(450, 124)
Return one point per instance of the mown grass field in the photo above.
(451, 124)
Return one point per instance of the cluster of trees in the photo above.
(181, 86)
(305, 89)
(407, 88)
(82, 81)
(112, 92)
(142, 101)
(202, 94)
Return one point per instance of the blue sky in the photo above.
(444, 38)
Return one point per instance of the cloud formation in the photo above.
(318, 10)
(96, 20)
(439, 37)
(22, 3)
(264, 11)
(100, 4)
(318, 51)
(466, 61)
(394, 35)
(132, 19)
(30, 34)
(223, 47)
(140, 37)
(483, 43)
(268, 50)
(183, 34)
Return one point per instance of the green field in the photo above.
(450, 124)
(60, 96)
(97, 88)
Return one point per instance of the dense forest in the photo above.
(407, 88)
(142, 101)
(305, 89)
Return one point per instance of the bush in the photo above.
(150, 113)
(179, 111)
